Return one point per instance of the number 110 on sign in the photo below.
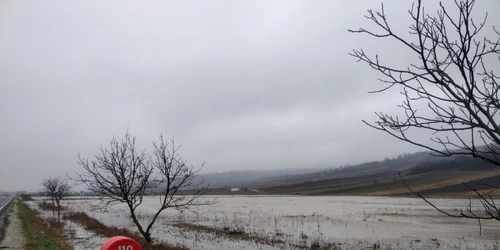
(129, 247)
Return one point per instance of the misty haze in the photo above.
(250, 124)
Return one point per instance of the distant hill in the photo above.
(422, 171)
(459, 162)
(388, 165)
(246, 178)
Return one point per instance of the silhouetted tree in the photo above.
(123, 174)
(453, 74)
(56, 188)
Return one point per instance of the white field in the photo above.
(349, 222)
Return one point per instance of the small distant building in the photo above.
(235, 189)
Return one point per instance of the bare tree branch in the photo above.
(123, 174)
(452, 79)
(56, 188)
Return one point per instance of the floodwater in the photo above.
(297, 222)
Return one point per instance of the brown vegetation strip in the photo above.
(40, 234)
(240, 235)
(49, 206)
(231, 233)
(99, 228)
(26, 197)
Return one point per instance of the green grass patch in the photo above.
(37, 233)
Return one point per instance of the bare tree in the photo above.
(122, 174)
(452, 74)
(56, 188)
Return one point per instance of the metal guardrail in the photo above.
(5, 206)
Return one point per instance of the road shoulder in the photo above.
(13, 232)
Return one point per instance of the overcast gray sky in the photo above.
(242, 84)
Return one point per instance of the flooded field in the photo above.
(295, 222)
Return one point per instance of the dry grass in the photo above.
(39, 233)
(48, 206)
(99, 228)
(318, 245)
(295, 216)
(26, 197)
(236, 233)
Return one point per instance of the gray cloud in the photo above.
(243, 85)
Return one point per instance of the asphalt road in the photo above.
(3, 207)
(3, 202)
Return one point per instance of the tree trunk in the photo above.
(148, 245)
(146, 234)
(58, 211)
(53, 210)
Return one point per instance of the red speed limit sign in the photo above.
(121, 243)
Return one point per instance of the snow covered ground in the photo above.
(294, 221)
